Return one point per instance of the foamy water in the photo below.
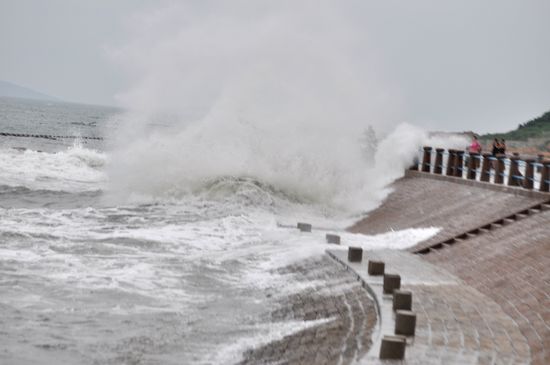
(89, 275)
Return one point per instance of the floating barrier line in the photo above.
(46, 136)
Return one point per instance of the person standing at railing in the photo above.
(475, 147)
(502, 149)
(496, 147)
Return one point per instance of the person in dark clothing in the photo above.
(496, 147)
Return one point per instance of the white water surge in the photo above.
(163, 246)
(178, 279)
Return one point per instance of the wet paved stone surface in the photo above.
(456, 324)
(509, 265)
(422, 202)
(483, 300)
(337, 296)
(512, 266)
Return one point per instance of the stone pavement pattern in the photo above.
(484, 300)
(456, 324)
(336, 295)
(512, 266)
(423, 202)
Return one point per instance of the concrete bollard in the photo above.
(459, 162)
(304, 227)
(529, 173)
(485, 168)
(391, 282)
(499, 169)
(513, 173)
(393, 347)
(333, 238)
(472, 166)
(405, 322)
(451, 163)
(427, 159)
(545, 176)
(376, 267)
(355, 254)
(438, 168)
(402, 299)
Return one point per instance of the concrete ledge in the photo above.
(479, 184)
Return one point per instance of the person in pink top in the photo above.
(475, 147)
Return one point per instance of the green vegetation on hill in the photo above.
(535, 128)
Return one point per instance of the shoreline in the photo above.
(343, 339)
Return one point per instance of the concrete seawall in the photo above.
(455, 205)
(479, 290)
(504, 266)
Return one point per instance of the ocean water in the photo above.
(89, 277)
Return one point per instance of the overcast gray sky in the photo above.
(456, 65)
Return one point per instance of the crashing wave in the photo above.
(76, 169)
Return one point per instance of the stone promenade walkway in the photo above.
(456, 324)
(509, 263)
(483, 298)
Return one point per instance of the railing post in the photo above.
(438, 168)
(451, 163)
(529, 173)
(427, 159)
(459, 162)
(499, 169)
(513, 173)
(544, 176)
(540, 158)
(485, 168)
(472, 166)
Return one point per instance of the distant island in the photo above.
(8, 89)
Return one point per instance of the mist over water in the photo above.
(164, 243)
(273, 93)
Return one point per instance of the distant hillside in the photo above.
(535, 128)
(15, 91)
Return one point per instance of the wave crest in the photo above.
(73, 170)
